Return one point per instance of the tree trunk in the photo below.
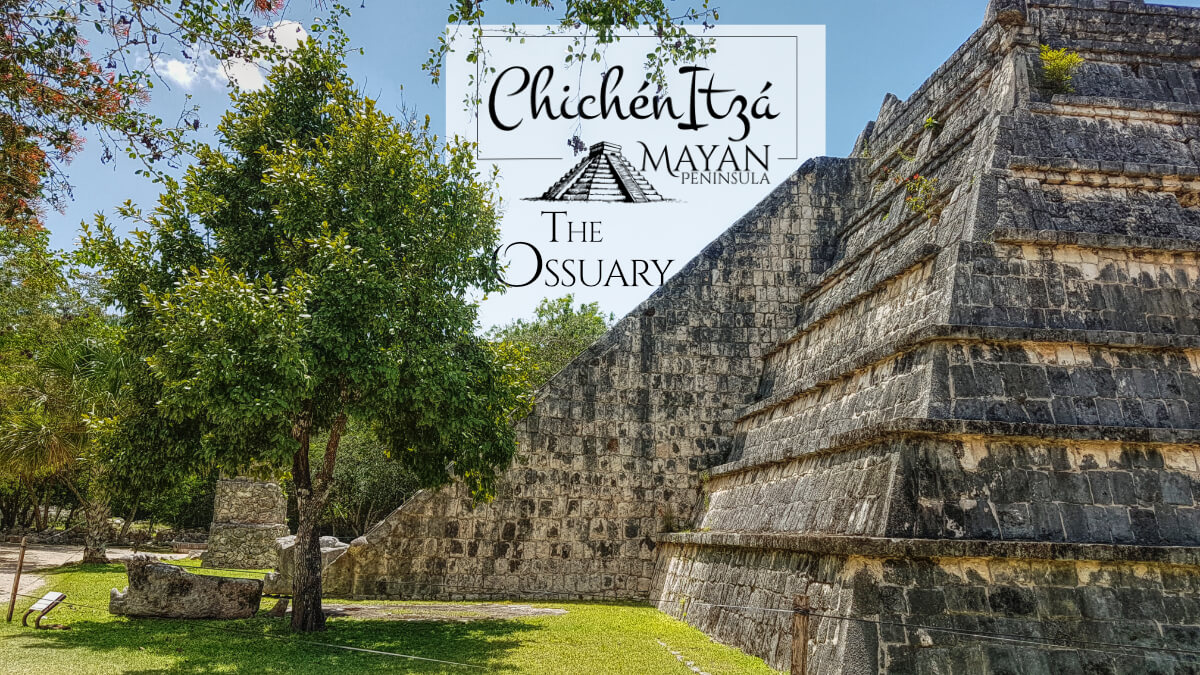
(307, 613)
(95, 515)
(35, 516)
(95, 539)
(128, 522)
(8, 508)
(43, 517)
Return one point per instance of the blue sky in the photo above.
(873, 47)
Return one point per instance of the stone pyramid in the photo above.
(603, 176)
(960, 413)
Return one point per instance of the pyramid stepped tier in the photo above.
(604, 175)
(944, 420)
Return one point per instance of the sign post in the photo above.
(799, 634)
(12, 598)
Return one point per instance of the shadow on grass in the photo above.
(267, 645)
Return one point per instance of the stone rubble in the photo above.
(165, 591)
(280, 581)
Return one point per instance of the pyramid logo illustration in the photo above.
(603, 176)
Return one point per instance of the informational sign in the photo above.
(610, 183)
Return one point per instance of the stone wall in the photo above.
(248, 516)
(981, 416)
(613, 451)
(896, 596)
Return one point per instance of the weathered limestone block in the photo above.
(241, 546)
(1082, 595)
(280, 583)
(248, 516)
(166, 591)
(241, 500)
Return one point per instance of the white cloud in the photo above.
(243, 73)
(246, 74)
(180, 73)
(286, 34)
(249, 75)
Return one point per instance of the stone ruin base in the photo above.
(243, 546)
(896, 593)
(248, 516)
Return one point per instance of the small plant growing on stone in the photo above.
(921, 190)
(1058, 66)
(931, 123)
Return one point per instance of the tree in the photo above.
(33, 290)
(39, 308)
(25, 497)
(179, 502)
(367, 485)
(49, 428)
(55, 87)
(312, 268)
(555, 336)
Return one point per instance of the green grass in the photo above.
(590, 638)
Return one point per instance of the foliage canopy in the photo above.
(557, 334)
(57, 86)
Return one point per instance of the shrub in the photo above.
(1058, 65)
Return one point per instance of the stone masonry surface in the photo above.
(160, 590)
(248, 516)
(977, 417)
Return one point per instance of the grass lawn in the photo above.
(589, 638)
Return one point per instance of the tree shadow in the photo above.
(265, 645)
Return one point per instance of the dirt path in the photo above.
(40, 557)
